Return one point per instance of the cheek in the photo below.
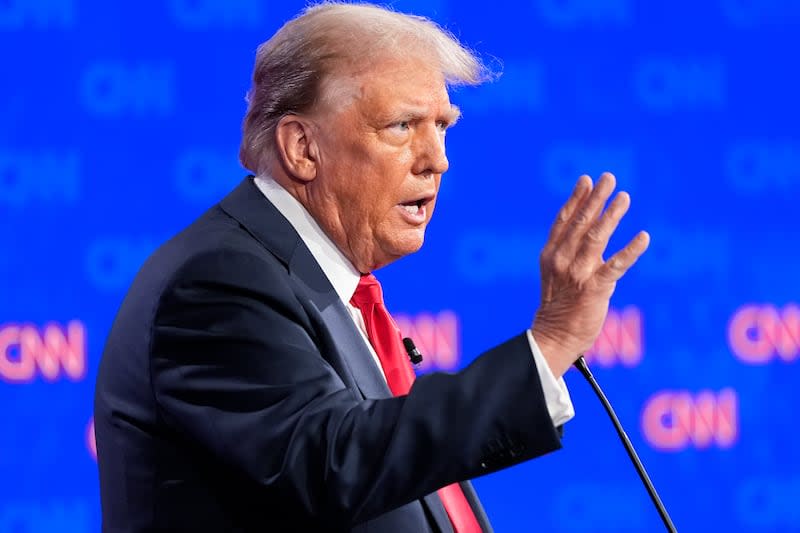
(383, 189)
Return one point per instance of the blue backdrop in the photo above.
(119, 123)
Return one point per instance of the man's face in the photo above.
(380, 160)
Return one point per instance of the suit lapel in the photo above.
(265, 223)
(437, 511)
(477, 508)
(348, 341)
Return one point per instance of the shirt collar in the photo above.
(337, 268)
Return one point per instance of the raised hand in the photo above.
(576, 282)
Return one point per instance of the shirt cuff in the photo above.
(556, 395)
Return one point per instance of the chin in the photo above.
(399, 248)
(412, 241)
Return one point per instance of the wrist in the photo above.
(558, 357)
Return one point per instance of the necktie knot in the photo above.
(368, 292)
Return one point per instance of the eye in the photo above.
(403, 125)
(442, 125)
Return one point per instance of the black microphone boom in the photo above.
(580, 364)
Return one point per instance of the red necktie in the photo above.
(387, 341)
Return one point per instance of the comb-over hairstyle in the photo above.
(297, 67)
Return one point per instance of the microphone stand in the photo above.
(580, 364)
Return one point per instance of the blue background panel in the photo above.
(120, 123)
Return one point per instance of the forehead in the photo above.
(410, 84)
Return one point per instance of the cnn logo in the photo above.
(676, 420)
(52, 352)
(620, 340)
(758, 334)
(436, 336)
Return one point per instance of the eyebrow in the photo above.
(455, 114)
(416, 113)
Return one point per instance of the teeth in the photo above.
(413, 209)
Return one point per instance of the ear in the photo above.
(296, 149)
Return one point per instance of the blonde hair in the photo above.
(294, 69)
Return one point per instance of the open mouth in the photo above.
(413, 207)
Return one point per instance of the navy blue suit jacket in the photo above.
(236, 394)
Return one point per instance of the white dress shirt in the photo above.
(344, 277)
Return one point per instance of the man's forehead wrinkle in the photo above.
(400, 111)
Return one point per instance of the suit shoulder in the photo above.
(214, 251)
(214, 246)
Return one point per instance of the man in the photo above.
(253, 380)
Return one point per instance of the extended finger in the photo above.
(596, 238)
(620, 262)
(582, 189)
(586, 214)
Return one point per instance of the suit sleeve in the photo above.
(236, 366)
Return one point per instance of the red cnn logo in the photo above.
(757, 334)
(53, 351)
(620, 340)
(437, 338)
(676, 420)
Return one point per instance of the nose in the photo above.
(429, 152)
